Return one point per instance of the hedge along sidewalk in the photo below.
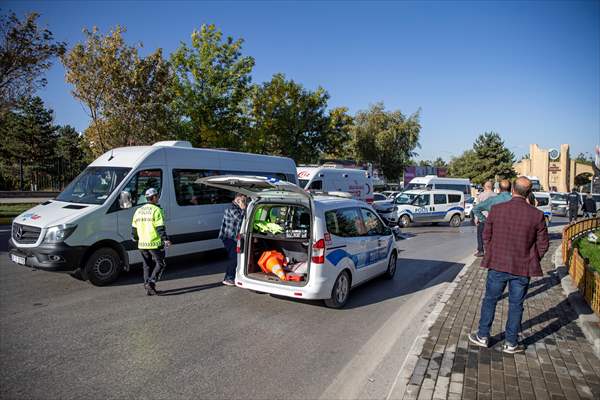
(558, 363)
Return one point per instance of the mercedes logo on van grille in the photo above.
(19, 232)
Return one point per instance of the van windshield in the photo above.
(558, 196)
(415, 186)
(302, 183)
(94, 185)
(404, 198)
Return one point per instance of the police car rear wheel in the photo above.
(103, 267)
(391, 270)
(455, 221)
(340, 291)
(405, 220)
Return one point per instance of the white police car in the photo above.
(331, 244)
(424, 206)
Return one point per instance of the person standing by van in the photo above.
(573, 201)
(488, 191)
(149, 231)
(230, 228)
(478, 210)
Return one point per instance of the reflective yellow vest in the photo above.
(145, 220)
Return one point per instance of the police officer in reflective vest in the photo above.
(148, 230)
(573, 201)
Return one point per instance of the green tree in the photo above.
(70, 153)
(583, 179)
(339, 135)
(127, 96)
(493, 158)
(488, 159)
(583, 159)
(425, 163)
(212, 87)
(291, 121)
(29, 138)
(386, 138)
(26, 52)
(439, 163)
(463, 166)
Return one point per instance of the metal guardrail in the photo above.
(585, 277)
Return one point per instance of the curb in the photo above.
(586, 319)
(400, 384)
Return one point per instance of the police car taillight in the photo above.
(318, 252)
(239, 248)
(370, 201)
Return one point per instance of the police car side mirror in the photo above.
(125, 200)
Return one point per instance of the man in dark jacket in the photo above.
(516, 239)
(232, 221)
(573, 201)
(589, 206)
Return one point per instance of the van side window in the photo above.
(542, 201)
(373, 224)
(454, 198)
(422, 200)
(345, 222)
(439, 199)
(316, 185)
(190, 193)
(142, 181)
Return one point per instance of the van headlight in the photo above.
(58, 234)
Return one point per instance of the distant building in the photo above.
(553, 167)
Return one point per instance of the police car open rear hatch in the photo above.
(257, 186)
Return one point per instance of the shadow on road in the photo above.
(412, 275)
(189, 289)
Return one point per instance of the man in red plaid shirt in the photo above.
(516, 239)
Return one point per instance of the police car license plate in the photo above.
(17, 259)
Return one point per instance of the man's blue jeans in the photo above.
(230, 246)
(517, 290)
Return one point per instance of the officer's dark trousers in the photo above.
(480, 228)
(153, 260)
(572, 214)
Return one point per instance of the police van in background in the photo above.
(88, 226)
(357, 182)
(435, 182)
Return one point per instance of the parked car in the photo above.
(558, 203)
(469, 203)
(332, 243)
(542, 200)
(390, 194)
(379, 196)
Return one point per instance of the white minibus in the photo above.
(357, 182)
(88, 226)
(435, 182)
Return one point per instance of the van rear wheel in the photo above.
(455, 221)
(103, 266)
(391, 269)
(340, 291)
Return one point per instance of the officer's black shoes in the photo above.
(150, 289)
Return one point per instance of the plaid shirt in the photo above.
(515, 238)
(232, 221)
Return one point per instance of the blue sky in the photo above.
(528, 70)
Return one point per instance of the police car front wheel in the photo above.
(103, 266)
(391, 270)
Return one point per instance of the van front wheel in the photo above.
(340, 291)
(455, 221)
(405, 220)
(103, 267)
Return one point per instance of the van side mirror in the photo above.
(125, 200)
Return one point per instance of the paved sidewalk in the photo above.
(558, 364)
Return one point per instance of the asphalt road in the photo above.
(63, 338)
